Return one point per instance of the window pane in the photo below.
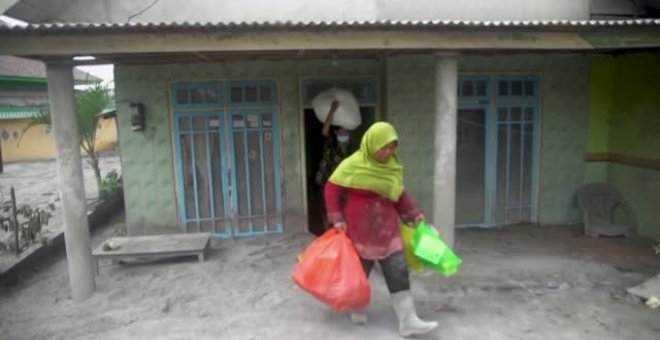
(214, 123)
(182, 96)
(201, 168)
(362, 91)
(515, 164)
(500, 199)
(529, 114)
(467, 88)
(211, 95)
(269, 172)
(516, 88)
(266, 94)
(250, 94)
(197, 96)
(199, 123)
(502, 115)
(188, 176)
(503, 88)
(238, 122)
(217, 171)
(516, 113)
(470, 163)
(529, 88)
(266, 120)
(236, 94)
(242, 194)
(184, 124)
(253, 120)
(481, 88)
(528, 144)
(254, 175)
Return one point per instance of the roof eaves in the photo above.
(379, 24)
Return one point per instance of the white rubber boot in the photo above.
(409, 323)
(359, 317)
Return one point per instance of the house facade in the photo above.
(504, 108)
(229, 145)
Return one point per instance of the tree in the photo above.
(90, 103)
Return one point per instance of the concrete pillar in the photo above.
(70, 174)
(444, 176)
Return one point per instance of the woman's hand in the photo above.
(419, 219)
(341, 226)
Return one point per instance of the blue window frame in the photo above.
(197, 95)
(474, 88)
(510, 140)
(255, 154)
(201, 186)
(228, 174)
(249, 93)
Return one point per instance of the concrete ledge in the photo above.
(100, 213)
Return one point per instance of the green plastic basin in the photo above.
(433, 251)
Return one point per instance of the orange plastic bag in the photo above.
(331, 271)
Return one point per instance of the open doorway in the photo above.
(314, 141)
(364, 89)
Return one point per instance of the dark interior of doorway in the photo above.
(314, 145)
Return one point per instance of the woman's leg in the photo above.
(395, 270)
(360, 317)
(366, 266)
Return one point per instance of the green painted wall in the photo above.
(624, 119)
(601, 94)
(410, 108)
(601, 102)
(148, 166)
(635, 119)
(564, 110)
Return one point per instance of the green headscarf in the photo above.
(362, 171)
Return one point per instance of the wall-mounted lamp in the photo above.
(137, 116)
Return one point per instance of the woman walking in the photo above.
(365, 197)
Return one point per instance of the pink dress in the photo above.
(372, 220)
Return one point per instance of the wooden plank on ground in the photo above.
(170, 244)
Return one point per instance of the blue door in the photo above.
(497, 150)
(227, 155)
(257, 200)
(516, 148)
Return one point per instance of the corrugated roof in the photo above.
(549, 24)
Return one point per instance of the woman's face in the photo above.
(385, 153)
